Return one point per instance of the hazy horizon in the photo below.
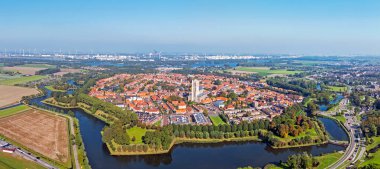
(341, 27)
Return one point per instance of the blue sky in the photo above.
(235, 26)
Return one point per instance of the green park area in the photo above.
(264, 71)
(216, 120)
(21, 80)
(137, 133)
(13, 110)
(13, 161)
(337, 88)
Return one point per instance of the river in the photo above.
(228, 155)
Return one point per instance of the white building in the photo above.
(194, 90)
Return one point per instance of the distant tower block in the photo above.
(194, 90)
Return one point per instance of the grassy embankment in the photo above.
(324, 161)
(86, 108)
(12, 161)
(21, 80)
(374, 158)
(51, 88)
(179, 141)
(264, 71)
(13, 110)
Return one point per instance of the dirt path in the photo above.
(75, 150)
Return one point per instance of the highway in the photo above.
(353, 128)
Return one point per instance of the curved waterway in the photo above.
(228, 155)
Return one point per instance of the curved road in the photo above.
(351, 128)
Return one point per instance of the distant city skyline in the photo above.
(339, 27)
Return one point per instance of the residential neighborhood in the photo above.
(168, 98)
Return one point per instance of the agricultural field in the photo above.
(23, 70)
(45, 66)
(262, 71)
(42, 132)
(138, 133)
(13, 94)
(66, 71)
(21, 80)
(216, 120)
(13, 110)
(6, 76)
(311, 63)
(14, 161)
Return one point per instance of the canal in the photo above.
(228, 155)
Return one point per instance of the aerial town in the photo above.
(181, 99)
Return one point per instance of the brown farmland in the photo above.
(24, 70)
(13, 94)
(39, 131)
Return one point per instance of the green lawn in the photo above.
(158, 123)
(337, 88)
(264, 71)
(138, 133)
(54, 90)
(216, 120)
(328, 159)
(21, 80)
(38, 65)
(374, 158)
(12, 161)
(13, 110)
(340, 118)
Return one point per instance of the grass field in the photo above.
(374, 157)
(21, 80)
(216, 120)
(337, 88)
(328, 159)
(54, 90)
(138, 133)
(13, 110)
(264, 71)
(39, 131)
(12, 94)
(12, 161)
(340, 118)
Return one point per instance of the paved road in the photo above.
(352, 126)
(74, 147)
